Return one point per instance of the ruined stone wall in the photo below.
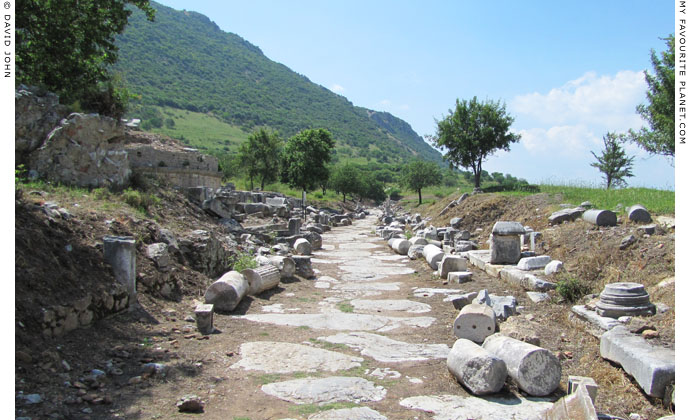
(184, 178)
(147, 156)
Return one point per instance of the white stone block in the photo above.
(475, 322)
(533, 263)
(475, 368)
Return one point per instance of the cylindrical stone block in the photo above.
(401, 246)
(418, 241)
(303, 266)
(120, 252)
(433, 255)
(227, 292)
(600, 217)
(261, 278)
(286, 265)
(302, 246)
(536, 370)
(638, 213)
(415, 252)
(475, 322)
(475, 368)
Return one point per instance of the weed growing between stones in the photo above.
(571, 288)
(328, 345)
(307, 409)
(346, 307)
(268, 378)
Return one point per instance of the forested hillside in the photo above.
(183, 60)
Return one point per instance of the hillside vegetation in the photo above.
(212, 71)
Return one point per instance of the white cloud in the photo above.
(604, 101)
(571, 119)
(562, 139)
(385, 102)
(337, 88)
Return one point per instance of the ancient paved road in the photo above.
(377, 334)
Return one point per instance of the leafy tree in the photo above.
(659, 113)
(613, 162)
(346, 179)
(247, 163)
(419, 174)
(473, 132)
(372, 189)
(265, 150)
(498, 177)
(305, 157)
(67, 46)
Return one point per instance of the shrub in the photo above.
(242, 261)
(139, 200)
(394, 194)
(571, 288)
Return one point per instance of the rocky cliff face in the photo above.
(86, 151)
(37, 113)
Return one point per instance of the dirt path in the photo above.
(370, 331)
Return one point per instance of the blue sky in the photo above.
(568, 71)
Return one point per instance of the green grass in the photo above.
(201, 131)
(346, 307)
(307, 409)
(656, 201)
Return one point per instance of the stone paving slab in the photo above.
(326, 390)
(431, 291)
(453, 407)
(390, 305)
(341, 321)
(387, 350)
(278, 357)
(356, 413)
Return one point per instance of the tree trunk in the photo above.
(251, 183)
(420, 195)
(477, 174)
(343, 197)
(263, 180)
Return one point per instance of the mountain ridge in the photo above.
(210, 70)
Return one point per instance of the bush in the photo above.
(394, 194)
(243, 261)
(571, 288)
(139, 200)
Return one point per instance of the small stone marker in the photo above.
(536, 370)
(451, 263)
(475, 322)
(227, 292)
(638, 213)
(600, 217)
(294, 226)
(302, 246)
(476, 368)
(576, 381)
(120, 252)
(504, 243)
(204, 318)
(459, 277)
